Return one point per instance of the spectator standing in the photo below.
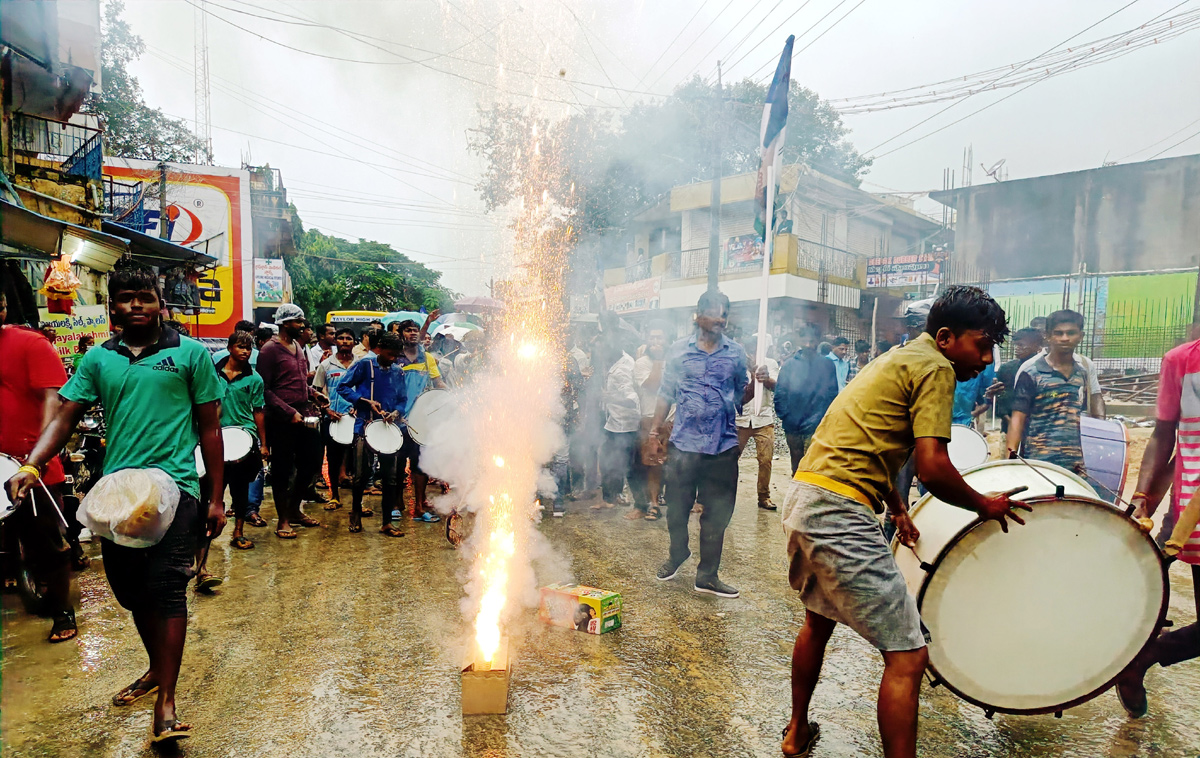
(970, 397)
(85, 344)
(840, 356)
(295, 445)
(807, 385)
(647, 378)
(862, 356)
(622, 420)
(323, 347)
(705, 379)
(260, 337)
(761, 427)
(1027, 343)
(420, 370)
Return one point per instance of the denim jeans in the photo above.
(256, 492)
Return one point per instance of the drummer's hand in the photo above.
(19, 485)
(297, 418)
(1141, 508)
(333, 414)
(391, 417)
(265, 453)
(906, 532)
(761, 374)
(216, 519)
(998, 506)
(375, 406)
(995, 389)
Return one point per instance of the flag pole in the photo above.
(760, 353)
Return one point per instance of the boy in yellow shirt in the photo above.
(839, 560)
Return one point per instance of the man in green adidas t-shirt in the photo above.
(160, 394)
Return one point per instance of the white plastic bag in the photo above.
(133, 507)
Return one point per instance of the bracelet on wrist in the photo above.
(29, 468)
(1141, 495)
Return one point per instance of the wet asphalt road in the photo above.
(350, 645)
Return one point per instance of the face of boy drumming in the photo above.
(970, 351)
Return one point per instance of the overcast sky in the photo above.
(378, 150)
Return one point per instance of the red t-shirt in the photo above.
(29, 365)
(1179, 401)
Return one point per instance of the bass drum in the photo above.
(9, 467)
(1042, 618)
(1105, 454)
(427, 413)
(968, 448)
(237, 443)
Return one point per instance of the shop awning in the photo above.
(40, 236)
(155, 251)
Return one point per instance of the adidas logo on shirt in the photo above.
(166, 364)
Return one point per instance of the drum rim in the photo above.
(415, 433)
(246, 432)
(12, 507)
(339, 425)
(1159, 622)
(987, 449)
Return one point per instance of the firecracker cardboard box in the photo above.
(485, 684)
(585, 609)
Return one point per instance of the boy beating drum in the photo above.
(839, 560)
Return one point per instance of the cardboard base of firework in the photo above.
(484, 685)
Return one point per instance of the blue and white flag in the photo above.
(774, 126)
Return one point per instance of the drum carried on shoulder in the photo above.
(1044, 617)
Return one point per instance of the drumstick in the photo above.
(53, 504)
(1184, 527)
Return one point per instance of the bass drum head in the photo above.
(427, 412)
(8, 469)
(342, 430)
(200, 470)
(968, 448)
(238, 443)
(384, 438)
(1105, 453)
(1046, 616)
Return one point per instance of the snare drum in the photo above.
(427, 413)
(8, 469)
(342, 430)
(1042, 618)
(384, 437)
(238, 443)
(1105, 454)
(968, 448)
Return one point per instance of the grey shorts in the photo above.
(844, 570)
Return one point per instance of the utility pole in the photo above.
(714, 222)
(162, 200)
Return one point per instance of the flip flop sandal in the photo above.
(309, 522)
(172, 730)
(256, 520)
(367, 512)
(207, 582)
(242, 543)
(332, 505)
(391, 531)
(429, 517)
(135, 692)
(814, 733)
(286, 534)
(355, 528)
(228, 513)
(653, 514)
(63, 622)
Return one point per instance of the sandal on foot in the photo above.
(229, 513)
(141, 687)
(355, 528)
(814, 732)
(205, 582)
(171, 730)
(429, 517)
(242, 543)
(367, 511)
(309, 522)
(332, 505)
(64, 627)
(256, 520)
(652, 514)
(391, 530)
(286, 534)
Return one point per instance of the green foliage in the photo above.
(132, 128)
(332, 274)
(610, 169)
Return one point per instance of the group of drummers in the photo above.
(210, 426)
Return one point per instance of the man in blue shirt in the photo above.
(806, 386)
(970, 398)
(705, 377)
(840, 356)
(375, 387)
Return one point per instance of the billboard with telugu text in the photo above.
(208, 208)
(87, 319)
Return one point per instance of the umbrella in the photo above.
(460, 319)
(457, 331)
(402, 316)
(478, 304)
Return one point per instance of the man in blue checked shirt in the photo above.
(705, 377)
(375, 387)
(329, 374)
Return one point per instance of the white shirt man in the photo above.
(761, 426)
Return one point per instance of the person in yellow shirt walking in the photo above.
(840, 562)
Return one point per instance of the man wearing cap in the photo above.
(295, 446)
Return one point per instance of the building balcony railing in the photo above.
(82, 146)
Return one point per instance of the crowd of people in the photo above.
(667, 420)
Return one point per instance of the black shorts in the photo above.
(410, 451)
(154, 579)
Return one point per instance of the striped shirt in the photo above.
(1179, 401)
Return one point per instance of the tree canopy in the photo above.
(132, 128)
(331, 273)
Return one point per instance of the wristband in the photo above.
(29, 468)
(1142, 495)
